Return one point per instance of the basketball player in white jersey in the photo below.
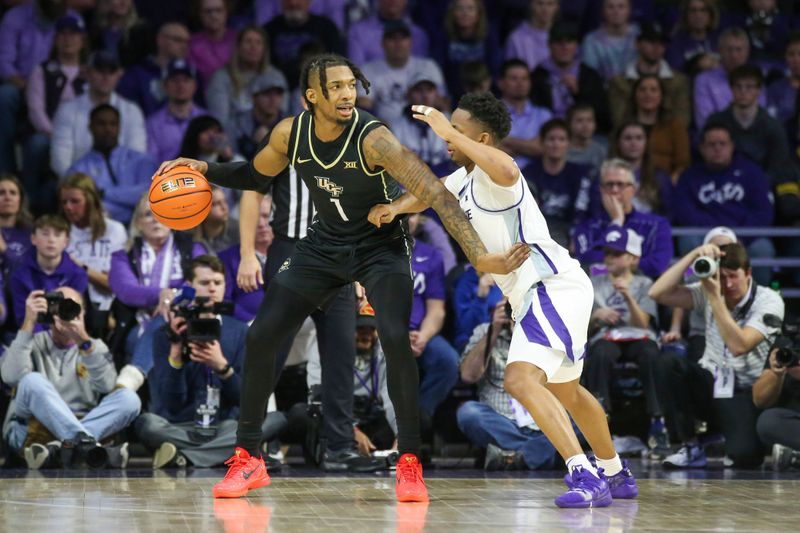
(550, 295)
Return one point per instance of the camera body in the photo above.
(787, 343)
(705, 266)
(200, 329)
(57, 306)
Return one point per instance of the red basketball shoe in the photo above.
(245, 473)
(410, 485)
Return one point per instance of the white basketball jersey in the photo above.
(503, 216)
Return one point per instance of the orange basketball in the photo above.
(180, 198)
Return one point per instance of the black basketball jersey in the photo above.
(342, 188)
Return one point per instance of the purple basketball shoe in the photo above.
(585, 490)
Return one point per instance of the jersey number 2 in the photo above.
(338, 205)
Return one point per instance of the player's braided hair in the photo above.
(319, 64)
(489, 111)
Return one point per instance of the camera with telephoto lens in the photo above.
(705, 266)
(57, 306)
(200, 329)
(787, 343)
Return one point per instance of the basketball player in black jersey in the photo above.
(349, 161)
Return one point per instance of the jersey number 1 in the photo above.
(338, 205)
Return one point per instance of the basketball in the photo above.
(180, 198)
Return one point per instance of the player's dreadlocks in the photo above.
(319, 64)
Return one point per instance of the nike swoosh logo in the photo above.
(303, 160)
(420, 259)
(247, 475)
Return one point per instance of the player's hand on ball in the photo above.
(249, 276)
(166, 166)
(433, 118)
(381, 214)
(504, 262)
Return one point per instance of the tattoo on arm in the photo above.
(382, 149)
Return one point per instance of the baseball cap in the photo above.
(103, 60)
(653, 32)
(426, 72)
(70, 22)
(180, 66)
(394, 27)
(271, 79)
(724, 231)
(366, 317)
(623, 240)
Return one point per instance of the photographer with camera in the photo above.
(195, 380)
(738, 336)
(777, 391)
(60, 376)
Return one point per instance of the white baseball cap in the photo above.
(723, 231)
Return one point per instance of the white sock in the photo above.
(611, 467)
(582, 461)
(130, 377)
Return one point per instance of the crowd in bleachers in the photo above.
(629, 118)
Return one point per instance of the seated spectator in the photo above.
(59, 376)
(166, 127)
(71, 135)
(611, 47)
(339, 11)
(584, 148)
(622, 327)
(718, 389)
(46, 266)
(93, 237)
(58, 80)
(561, 188)
(363, 35)
(693, 46)
(15, 224)
(249, 128)
(712, 89)
(141, 82)
(468, 36)
(118, 30)
(649, 61)
(390, 77)
(218, 230)
(475, 297)
(195, 385)
(496, 421)
(211, 48)
(782, 93)
(120, 173)
(530, 38)
(561, 79)
(756, 134)
(768, 30)
(230, 89)
(416, 136)
(523, 141)
(725, 190)
(295, 27)
(246, 304)
(617, 189)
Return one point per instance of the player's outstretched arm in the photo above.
(500, 166)
(382, 149)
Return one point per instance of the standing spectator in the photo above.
(584, 148)
(782, 93)
(93, 237)
(218, 230)
(617, 189)
(248, 129)
(363, 35)
(167, 126)
(650, 47)
(58, 80)
(71, 135)
(15, 224)
(118, 30)
(612, 46)
(712, 90)
(693, 47)
(561, 79)
(474, 299)
(391, 76)
(229, 91)
(523, 141)
(529, 40)
(46, 266)
(468, 36)
(60, 375)
(561, 188)
(295, 27)
(120, 173)
(141, 82)
(211, 48)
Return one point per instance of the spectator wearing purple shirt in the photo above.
(211, 48)
(522, 142)
(336, 10)
(528, 41)
(46, 266)
(436, 358)
(692, 48)
(782, 93)
(618, 187)
(167, 126)
(15, 223)
(612, 46)
(363, 36)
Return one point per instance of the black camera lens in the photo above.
(68, 309)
